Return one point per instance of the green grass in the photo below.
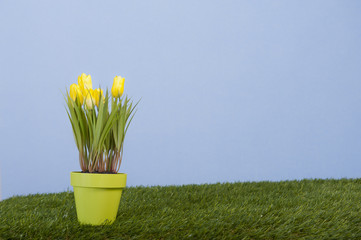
(307, 209)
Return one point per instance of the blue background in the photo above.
(231, 90)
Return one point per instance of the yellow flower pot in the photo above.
(97, 196)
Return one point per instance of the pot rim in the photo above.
(98, 180)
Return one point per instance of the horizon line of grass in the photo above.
(195, 184)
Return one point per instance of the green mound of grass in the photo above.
(307, 209)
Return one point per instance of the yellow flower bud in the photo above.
(97, 94)
(118, 86)
(85, 83)
(89, 100)
(75, 93)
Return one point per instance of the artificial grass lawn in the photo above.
(307, 209)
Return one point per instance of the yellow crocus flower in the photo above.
(75, 93)
(85, 83)
(97, 94)
(89, 100)
(118, 87)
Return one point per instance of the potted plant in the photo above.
(99, 122)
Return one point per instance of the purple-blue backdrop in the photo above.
(231, 90)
